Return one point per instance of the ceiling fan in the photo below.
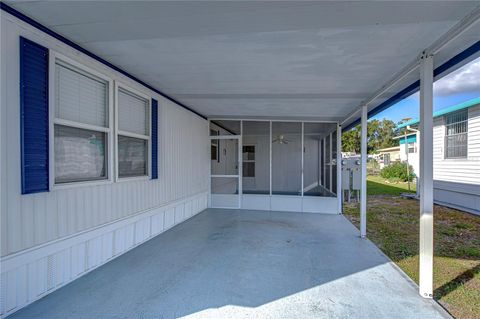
(280, 139)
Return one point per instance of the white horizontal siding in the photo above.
(31, 220)
(458, 170)
(474, 133)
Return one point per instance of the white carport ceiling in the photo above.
(256, 59)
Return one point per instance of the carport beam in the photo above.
(426, 176)
(363, 167)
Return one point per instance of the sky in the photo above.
(457, 87)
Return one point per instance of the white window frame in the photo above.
(250, 161)
(413, 146)
(148, 138)
(53, 58)
(445, 137)
(216, 144)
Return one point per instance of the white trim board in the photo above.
(31, 274)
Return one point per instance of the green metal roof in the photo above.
(446, 110)
(410, 139)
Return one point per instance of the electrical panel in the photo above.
(351, 173)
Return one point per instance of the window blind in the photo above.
(132, 113)
(79, 97)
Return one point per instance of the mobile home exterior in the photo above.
(57, 224)
(96, 159)
(456, 155)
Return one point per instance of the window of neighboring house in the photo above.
(133, 133)
(412, 147)
(248, 160)
(386, 159)
(456, 134)
(81, 125)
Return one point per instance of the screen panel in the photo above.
(256, 157)
(286, 158)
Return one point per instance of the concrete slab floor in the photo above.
(244, 264)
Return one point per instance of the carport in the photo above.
(245, 264)
(265, 90)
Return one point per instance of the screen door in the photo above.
(225, 172)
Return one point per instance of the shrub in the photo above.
(373, 168)
(397, 171)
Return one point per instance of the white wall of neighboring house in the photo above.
(49, 239)
(456, 180)
(413, 157)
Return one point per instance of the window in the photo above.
(456, 134)
(248, 161)
(412, 147)
(133, 133)
(386, 159)
(81, 125)
(214, 156)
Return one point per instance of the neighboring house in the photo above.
(388, 155)
(456, 154)
(408, 149)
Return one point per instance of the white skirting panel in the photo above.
(256, 202)
(286, 203)
(307, 204)
(324, 205)
(33, 273)
(224, 200)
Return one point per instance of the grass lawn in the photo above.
(377, 185)
(392, 224)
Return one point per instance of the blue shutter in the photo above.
(34, 117)
(154, 139)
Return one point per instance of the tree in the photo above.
(351, 140)
(380, 134)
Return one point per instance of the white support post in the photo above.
(426, 177)
(270, 162)
(208, 146)
(303, 158)
(330, 162)
(324, 150)
(339, 169)
(240, 166)
(363, 167)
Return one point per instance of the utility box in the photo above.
(351, 175)
(356, 176)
